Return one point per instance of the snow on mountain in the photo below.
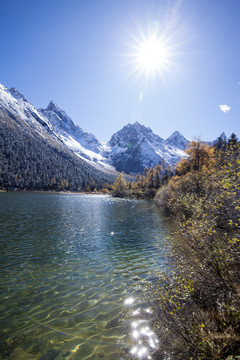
(83, 144)
(177, 140)
(131, 149)
(135, 147)
(13, 103)
(65, 127)
(129, 135)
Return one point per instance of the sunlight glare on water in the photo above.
(72, 275)
(144, 340)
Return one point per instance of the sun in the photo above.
(151, 55)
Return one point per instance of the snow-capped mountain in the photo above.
(177, 140)
(34, 156)
(13, 103)
(66, 128)
(55, 122)
(131, 149)
(83, 144)
(135, 147)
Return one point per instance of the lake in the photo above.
(73, 270)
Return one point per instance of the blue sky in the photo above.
(83, 56)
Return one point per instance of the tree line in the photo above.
(144, 186)
(29, 161)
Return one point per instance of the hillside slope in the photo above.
(33, 160)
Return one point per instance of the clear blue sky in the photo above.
(78, 54)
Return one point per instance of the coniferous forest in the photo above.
(30, 162)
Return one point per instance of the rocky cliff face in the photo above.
(66, 128)
(135, 147)
(177, 140)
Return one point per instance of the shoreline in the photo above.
(54, 192)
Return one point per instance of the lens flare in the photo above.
(152, 55)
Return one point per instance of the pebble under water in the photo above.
(73, 269)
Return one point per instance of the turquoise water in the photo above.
(73, 270)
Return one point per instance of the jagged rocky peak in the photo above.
(131, 149)
(57, 117)
(132, 133)
(141, 129)
(138, 126)
(52, 106)
(15, 93)
(16, 105)
(11, 94)
(69, 131)
(135, 147)
(177, 140)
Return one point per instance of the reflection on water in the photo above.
(144, 340)
(72, 275)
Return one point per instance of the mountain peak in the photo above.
(52, 106)
(131, 149)
(131, 133)
(77, 140)
(55, 109)
(177, 139)
(15, 93)
(137, 124)
(139, 128)
(176, 133)
(135, 147)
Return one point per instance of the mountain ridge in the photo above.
(131, 149)
(33, 156)
(136, 147)
(133, 144)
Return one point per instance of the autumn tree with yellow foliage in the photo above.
(199, 305)
(145, 186)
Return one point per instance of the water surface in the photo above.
(73, 269)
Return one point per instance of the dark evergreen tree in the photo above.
(233, 140)
(29, 161)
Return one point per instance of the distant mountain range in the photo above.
(46, 146)
(129, 150)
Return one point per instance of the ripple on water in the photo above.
(71, 271)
